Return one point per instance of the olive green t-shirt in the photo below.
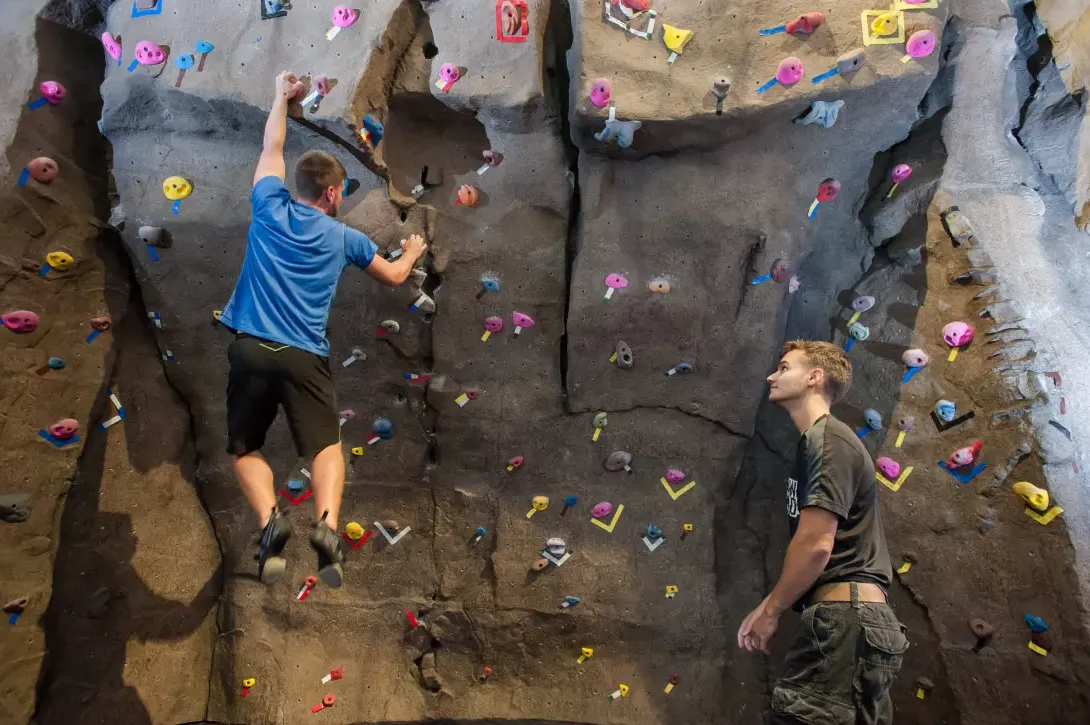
(833, 471)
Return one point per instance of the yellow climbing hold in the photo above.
(884, 24)
(249, 682)
(176, 187)
(1033, 496)
(354, 531)
(675, 38)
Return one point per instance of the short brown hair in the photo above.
(316, 172)
(832, 361)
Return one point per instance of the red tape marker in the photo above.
(296, 500)
(412, 619)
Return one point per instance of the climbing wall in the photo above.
(564, 485)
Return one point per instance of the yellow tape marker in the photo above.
(896, 183)
(597, 432)
(676, 494)
(1039, 650)
(919, 693)
(894, 485)
(953, 355)
(487, 334)
(531, 512)
(613, 523)
(461, 400)
(1044, 519)
(905, 567)
(900, 439)
(669, 686)
(854, 317)
(904, 59)
(613, 358)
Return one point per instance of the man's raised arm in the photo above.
(271, 162)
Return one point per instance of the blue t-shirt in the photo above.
(294, 258)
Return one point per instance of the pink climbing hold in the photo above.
(22, 321)
(64, 428)
(957, 333)
(675, 475)
(901, 172)
(601, 90)
(920, 44)
(888, 467)
(521, 322)
(43, 169)
(616, 281)
(493, 324)
(344, 16)
(789, 71)
(113, 48)
(53, 92)
(148, 53)
(601, 510)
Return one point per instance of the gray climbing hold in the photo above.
(14, 507)
(873, 418)
(618, 461)
(152, 236)
(1052, 445)
(821, 113)
(859, 331)
(851, 61)
(957, 226)
(619, 131)
(862, 303)
(624, 355)
(905, 422)
(556, 547)
(601, 420)
(720, 87)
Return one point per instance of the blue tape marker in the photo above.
(773, 31)
(24, 177)
(758, 280)
(967, 477)
(768, 85)
(158, 8)
(13, 618)
(813, 209)
(36, 104)
(176, 207)
(865, 430)
(92, 336)
(43, 433)
(152, 253)
(44, 270)
(825, 76)
(344, 191)
(910, 373)
(849, 343)
(132, 66)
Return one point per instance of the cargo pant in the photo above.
(841, 665)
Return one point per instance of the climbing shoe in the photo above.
(331, 550)
(270, 544)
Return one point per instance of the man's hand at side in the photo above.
(758, 627)
(396, 272)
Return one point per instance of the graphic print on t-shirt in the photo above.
(792, 498)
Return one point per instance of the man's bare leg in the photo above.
(255, 477)
(328, 482)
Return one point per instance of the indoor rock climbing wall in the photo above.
(682, 187)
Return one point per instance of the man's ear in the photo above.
(817, 377)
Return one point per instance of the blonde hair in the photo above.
(832, 361)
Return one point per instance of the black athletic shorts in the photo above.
(264, 375)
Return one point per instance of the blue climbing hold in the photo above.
(570, 501)
(481, 531)
(653, 532)
(571, 601)
(55, 363)
(383, 428)
(374, 128)
(296, 485)
(1035, 624)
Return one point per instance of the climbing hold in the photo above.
(570, 601)
(778, 271)
(957, 334)
(681, 367)
(920, 45)
(491, 324)
(653, 532)
(601, 510)
(623, 355)
(43, 169)
(720, 88)
(113, 48)
(569, 501)
(319, 88)
(204, 48)
(659, 285)
(101, 323)
(981, 629)
(372, 132)
(621, 131)
(873, 418)
(885, 24)
(888, 467)
(965, 456)
(621, 691)
(601, 420)
(249, 682)
(601, 90)
(539, 503)
(915, 358)
(52, 93)
(556, 547)
(846, 64)
(858, 331)
(354, 531)
(862, 303)
(802, 25)
(55, 363)
(183, 62)
(468, 195)
(1035, 498)
(391, 326)
(521, 321)
(788, 73)
(900, 173)
(22, 321)
(945, 410)
(585, 653)
(923, 686)
(514, 464)
(488, 284)
(675, 40)
(383, 428)
(64, 429)
(512, 21)
(619, 461)
(424, 303)
(1035, 624)
(674, 475)
(329, 699)
(613, 282)
(60, 261)
(448, 76)
(539, 564)
(343, 17)
(793, 285)
(176, 188)
(821, 113)
(480, 533)
(827, 191)
(957, 226)
(148, 53)
(905, 422)
(152, 236)
(492, 159)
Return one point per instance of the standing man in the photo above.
(836, 572)
(295, 253)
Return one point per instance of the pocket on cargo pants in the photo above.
(881, 651)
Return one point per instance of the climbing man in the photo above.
(836, 573)
(295, 253)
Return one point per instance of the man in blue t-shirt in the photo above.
(295, 253)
